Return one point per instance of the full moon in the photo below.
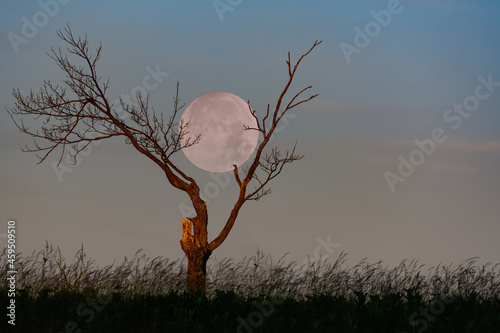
(219, 118)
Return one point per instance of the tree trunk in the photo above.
(197, 259)
(197, 270)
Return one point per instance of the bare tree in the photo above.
(78, 113)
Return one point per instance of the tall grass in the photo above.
(47, 271)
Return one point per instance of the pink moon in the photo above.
(220, 118)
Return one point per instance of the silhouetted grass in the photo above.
(141, 294)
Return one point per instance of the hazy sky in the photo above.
(388, 73)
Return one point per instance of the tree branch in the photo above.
(271, 164)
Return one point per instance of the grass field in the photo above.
(141, 294)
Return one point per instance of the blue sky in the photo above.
(368, 113)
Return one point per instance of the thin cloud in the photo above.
(447, 167)
(336, 106)
(391, 162)
(473, 146)
(458, 5)
(384, 153)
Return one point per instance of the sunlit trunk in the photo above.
(197, 270)
(197, 259)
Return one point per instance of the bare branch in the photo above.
(236, 175)
(79, 113)
(269, 164)
(252, 112)
(272, 164)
